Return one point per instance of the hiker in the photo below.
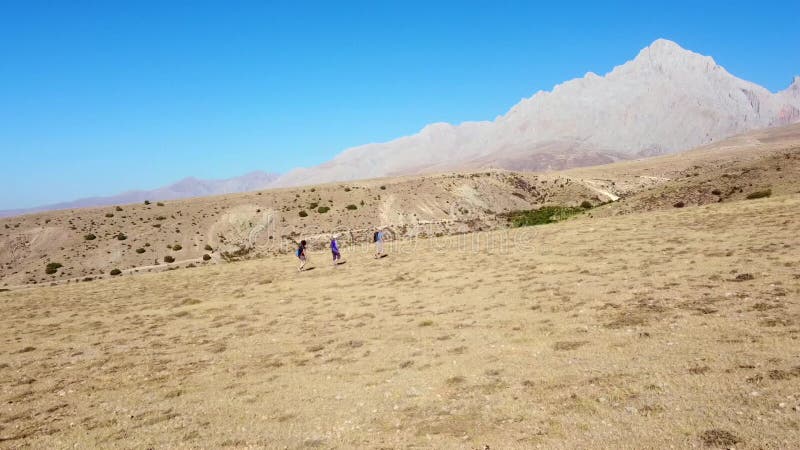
(377, 238)
(301, 255)
(335, 251)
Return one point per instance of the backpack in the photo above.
(299, 251)
(375, 237)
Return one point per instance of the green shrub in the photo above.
(169, 259)
(323, 209)
(115, 272)
(176, 247)
(206, 257)
(140, 250)
(303, 214)
(52, 268)
(586, 204)
(541, 216)
(351, 207)
(759, 194)
(90, 237)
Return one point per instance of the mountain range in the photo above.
(665, 100)
(185, 188)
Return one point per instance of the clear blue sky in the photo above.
(101, 97)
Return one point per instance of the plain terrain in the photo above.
(675, 328)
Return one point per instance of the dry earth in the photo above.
(270, 222)
(675, 328)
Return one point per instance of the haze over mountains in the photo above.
(185, 188)
(665, 100)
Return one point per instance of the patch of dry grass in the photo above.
(585, 334)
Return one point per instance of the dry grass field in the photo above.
(675, 328)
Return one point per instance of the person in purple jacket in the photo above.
(335, 251)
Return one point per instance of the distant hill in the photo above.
(185, 188)
(91, 242)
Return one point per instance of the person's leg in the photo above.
(302, 264)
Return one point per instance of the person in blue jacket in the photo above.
(335, 251)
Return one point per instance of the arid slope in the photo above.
(673, 328)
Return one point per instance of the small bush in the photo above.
(679, 205)
(176, 247)
(121, 237)
(90, 237)
(716, 192)
(208, 248)
(140, 250)
(383, 188)
(759, 194)
(351, 207)
(347, 189)
(323, 209)
(159, 204)
(109, 214)
(206, 257)
(313, 205)
(115, 272)
(52, 268)
(541, 216)
(118, 208)
(586, 204)
(169, 259)
(303, 214)
(147, 202)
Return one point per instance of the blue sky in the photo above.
(101, 97)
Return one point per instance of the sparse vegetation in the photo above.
(586, 204)
(121, 236)
(160, 204)
(169, 259)
(303, 214)
(679, 204)
(109, 215)
(52, 268)
(118, 208)
(140, 250)
(351, 207)
(541, 216)
(176, 247)
(147, 202)
(323, 209)
(89, 237)
(115, 272)
(759, 194)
